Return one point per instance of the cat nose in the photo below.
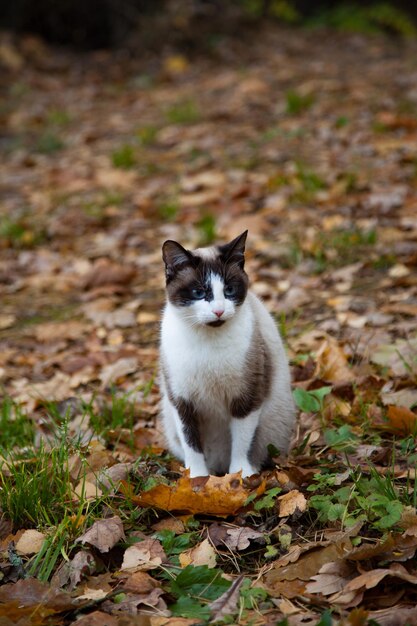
(218, 312)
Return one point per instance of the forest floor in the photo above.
(309, 140)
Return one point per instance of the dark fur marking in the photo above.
(188, 414)
(257, 375)
(255, 452)
(189, 418)
(197, 276)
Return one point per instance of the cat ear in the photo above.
(174, 255)
(235, 250)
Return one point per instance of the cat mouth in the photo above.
(216, 323)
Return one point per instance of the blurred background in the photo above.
(124, 123)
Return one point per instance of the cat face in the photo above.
(208, 284)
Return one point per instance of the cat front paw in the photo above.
(245, 467)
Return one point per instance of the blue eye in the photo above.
(198, 294)
(229, 290)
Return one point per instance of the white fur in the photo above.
(206, 365)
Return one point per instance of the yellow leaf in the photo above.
(202, 554)
(212, 495)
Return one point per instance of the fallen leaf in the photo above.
(352, 592)
(119, 369)
(98, 618)
(92, 594)
(332, 365)
(227, 603)
(398, 615)
(240, 538)
(202, 554)
(6, 321)
(71, 572)
(399, 356)
(104, 534)
(144, 555)
(291, 502)
(140, 582)
(104, 272)
(170, 523)
(212, 495)
(309, 564)
(30, 542)
(401, 420)
(135, 603)
(31, 592)
(332, 578)
(404, 397)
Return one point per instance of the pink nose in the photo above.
(218, 312)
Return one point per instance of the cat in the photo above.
(225, 381)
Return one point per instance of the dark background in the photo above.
(94, 24)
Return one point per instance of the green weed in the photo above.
(310, 401)
(49, 143)
(124, 157)
(284, 10)
(183, 112)
(297, 103)
(37, 491)
(58, 117)
(373, 500)
(168, 209)
(375, 18)
(207, 229)
(194, 587)
(147, 135)
(18, 232)
(17, 430)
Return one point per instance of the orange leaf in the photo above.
(402, 420)
(212, 495)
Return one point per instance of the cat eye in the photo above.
(229, 291)
(198, 294)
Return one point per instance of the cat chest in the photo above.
(205, 374)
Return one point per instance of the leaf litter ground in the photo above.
(309, 140)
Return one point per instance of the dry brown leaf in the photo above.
(71, 572)
(398, 615)
(292, 502)
(98, 618)
(404, 397)
(332, 578)
(104, 272)
(332, 365)
(140, 582)
(309, 564)
(202, 554)
(92, 594)
(31, 592)
(399, 356)
(353, 591)
(6, 321)
(119, 369)
(30, 542)
(145, 555)
(227, 603)
(135, 603)
(212, 495)
(401, 420)
(104, 534)
(240, 538)
(170, 523)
